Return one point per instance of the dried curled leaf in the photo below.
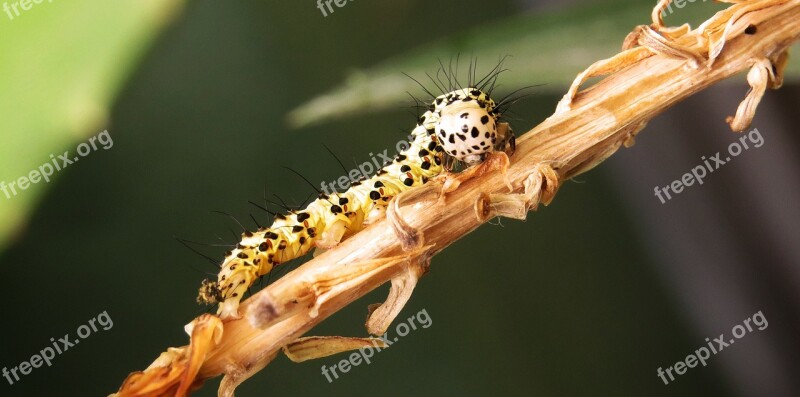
(173, 372)
(313, 347)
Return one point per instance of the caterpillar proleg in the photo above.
(458, 126)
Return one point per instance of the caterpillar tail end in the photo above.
(210, 294)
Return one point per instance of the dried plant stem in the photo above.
(660, 67)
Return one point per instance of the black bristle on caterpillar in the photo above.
(459, 126)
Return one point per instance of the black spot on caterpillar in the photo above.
(331, 218)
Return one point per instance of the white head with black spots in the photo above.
(467, 128)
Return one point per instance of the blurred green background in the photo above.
(202, 100)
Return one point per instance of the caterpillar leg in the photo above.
(493, 161)
(507, 140)
(333, 234)
(504, 148)
(377, 213)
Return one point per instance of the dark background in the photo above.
(589, 297)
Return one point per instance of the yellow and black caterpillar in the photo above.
(460, 125)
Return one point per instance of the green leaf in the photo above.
(62, 65)
(549, 49)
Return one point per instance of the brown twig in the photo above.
(658, 67)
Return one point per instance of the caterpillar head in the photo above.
(467, 127)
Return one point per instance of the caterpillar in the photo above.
(457, 127)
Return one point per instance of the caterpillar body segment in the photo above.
(458, 126)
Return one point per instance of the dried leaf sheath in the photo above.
(659, 67)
